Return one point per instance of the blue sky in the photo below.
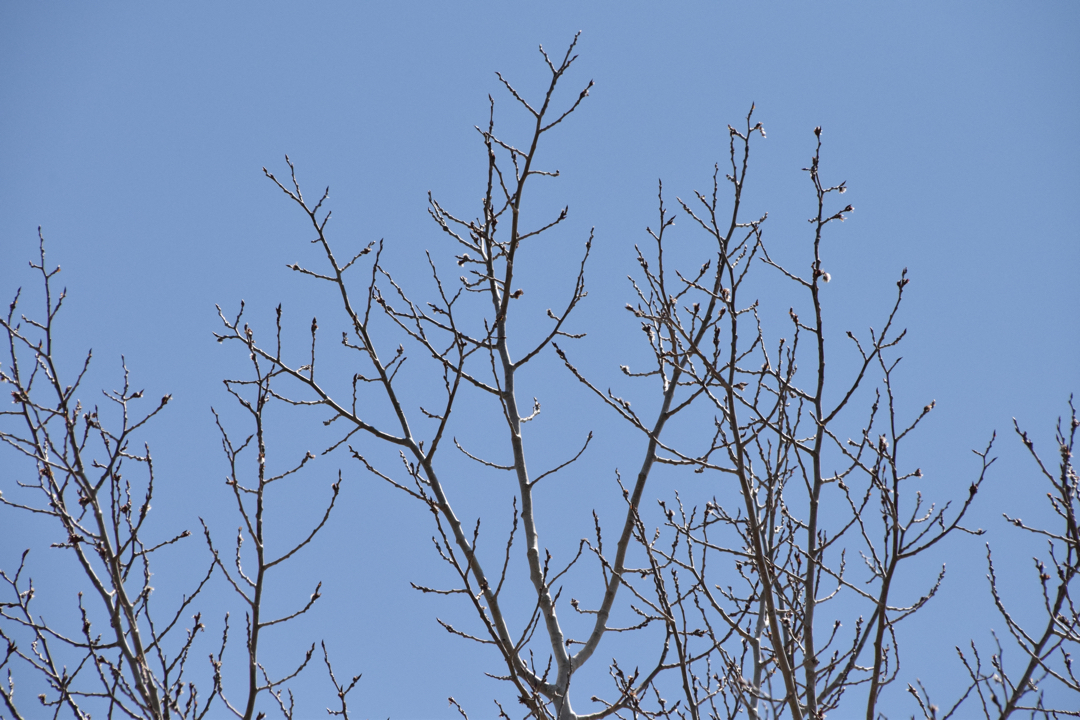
(135, 135)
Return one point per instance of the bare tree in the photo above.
(94, 482)
(795, 496)
(767, 585)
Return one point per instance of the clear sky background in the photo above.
(135, 134)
